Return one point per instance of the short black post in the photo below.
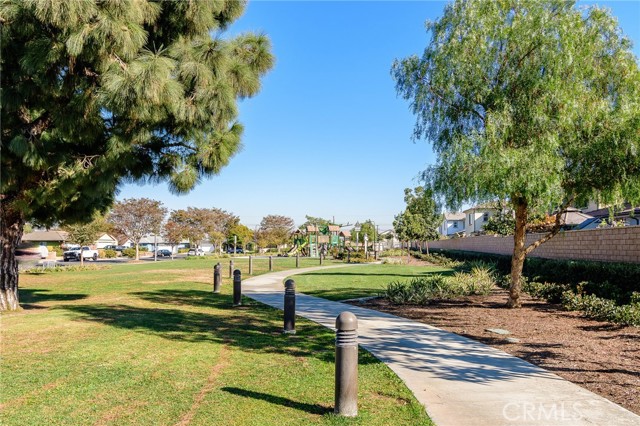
(348, 257)
(217, 277)
(320, 259)
(375, 254)
(297, 260)
(237, 287)
(250, 265)
(346, 398)
(231, 268)
(290, 307)
(270, 263)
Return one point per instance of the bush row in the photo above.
(610, 294)
(73, 268)
(422, 290)
(617, 281)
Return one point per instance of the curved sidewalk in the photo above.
(461, 382)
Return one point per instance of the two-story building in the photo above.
(476, 217)
(452, 224)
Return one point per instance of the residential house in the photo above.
(476, 217)
(105, 240)
(452, 223)
(47, 237)
(628, 216)
(573, 219)
(387, 240)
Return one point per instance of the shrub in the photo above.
(59, 250)
(439, 259)
(394, 261)
(602, 309)
(615, 281)
(418, 291)
(129, 252)
(422, 290)
(58, 268)
(393, 252)
(110, 254)
(358, 257)
(551, 292)
(479, 281)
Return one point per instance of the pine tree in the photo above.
(97, 93)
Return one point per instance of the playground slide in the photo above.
(296, 248)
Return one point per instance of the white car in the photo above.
(195, 252)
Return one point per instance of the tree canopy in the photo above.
(243, 234)
(86, 234)
(97, 93)
(275, 230)
(137, 217)
(537, 103)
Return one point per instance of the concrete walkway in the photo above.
(460, 382)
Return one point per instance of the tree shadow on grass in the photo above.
(29, 298)
(253, 327)
(278, 400)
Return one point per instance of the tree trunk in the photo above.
(519, 254)
(12, 227)
(137, 252)
(81, 256)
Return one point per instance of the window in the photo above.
(455, 224)
(485, 217)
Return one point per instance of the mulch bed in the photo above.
(598, 356)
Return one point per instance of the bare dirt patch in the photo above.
(207, 388)
(598, 356)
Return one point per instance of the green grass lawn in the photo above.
(149, 344)
(359, 281)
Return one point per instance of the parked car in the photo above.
(238, 250)
(195, 252)
(75, 254)
(116, 248)
(163, 253)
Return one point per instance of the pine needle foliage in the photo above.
(97, 93)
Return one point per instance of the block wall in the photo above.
(607, 244)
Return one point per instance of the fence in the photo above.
(607, 244)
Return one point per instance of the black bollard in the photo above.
(348, 257)
(375, 255)
(231, 268)
(290, 307)
(320, 259)
(346, 398)
(297, 260)
(270, 263)
(237, 287)
(217, 277)
(250, 265)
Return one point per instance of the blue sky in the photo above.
(327, 136)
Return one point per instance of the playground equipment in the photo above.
(316, 240)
